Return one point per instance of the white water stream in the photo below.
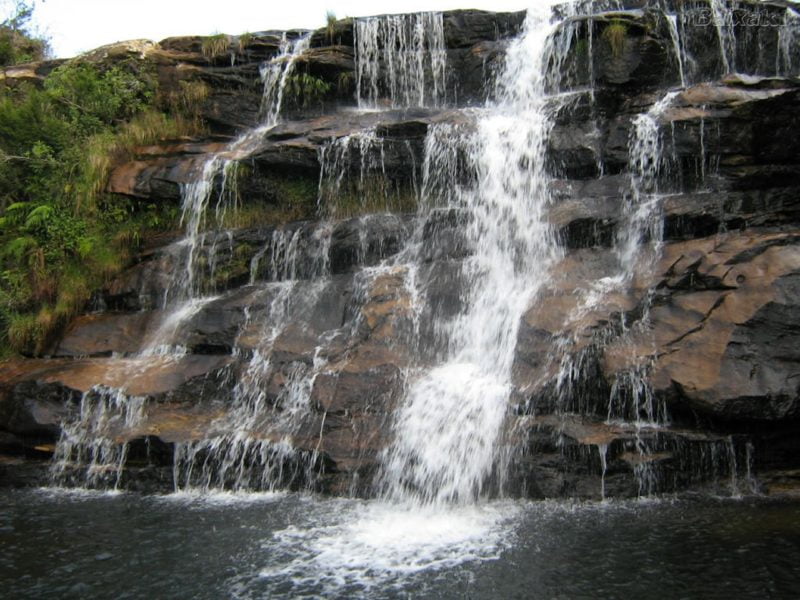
(448, 430)
(400, 61)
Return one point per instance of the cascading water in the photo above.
(400, 60)
(487, 173)
(723, 20)
(92, 449)
(788, 43)
(85, 444)
(250, 447)
(448, 430)
(276, 73)
(343, 188)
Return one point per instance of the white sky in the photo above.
(74, 26)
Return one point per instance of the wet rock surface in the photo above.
(716, 316)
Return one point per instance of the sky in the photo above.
(75, 26)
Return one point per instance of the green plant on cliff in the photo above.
(614, 35)
(243, 41)
(61, 234)
(330, 25)
(216, 45)
(304, 90)
(345, 83)
(17, 43)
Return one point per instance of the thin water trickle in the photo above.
(276, 73)
(93, 446)
(677, 47)
(400, 61)
(788, 44)
(723, 19)
(602, 450)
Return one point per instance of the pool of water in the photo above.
(73, 544)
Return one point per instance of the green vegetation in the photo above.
(345, 83)
(614, 35)
(17, 43)
(330, 25)
(61, 234)
(244, 40)
(303, 90)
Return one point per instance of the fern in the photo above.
(304, 89)
(19, 248)
(39, 217)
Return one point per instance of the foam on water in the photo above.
(198, 499)
(361, 545)
(77, 493)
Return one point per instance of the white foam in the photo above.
(77, 493)
(375, 544)
(220, 498)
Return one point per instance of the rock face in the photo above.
(310, 332)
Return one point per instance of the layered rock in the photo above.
(709, 326)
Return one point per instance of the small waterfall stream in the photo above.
(723, 19)
(401, 61)
(91, 442)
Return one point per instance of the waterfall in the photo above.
(677, 47)
(642, 219)
(401, 60)
(788, 43)
(275, 74)
(87, 443)
(219, 172)
(251, 445)
(448, 430)
(483, 197)
(93, 446)
(723, 19)
(344, 190)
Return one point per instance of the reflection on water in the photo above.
(68, 544)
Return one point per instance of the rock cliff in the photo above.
(314, 292)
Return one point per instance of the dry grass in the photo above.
(216, 45)
(614, 35)
(104, 151)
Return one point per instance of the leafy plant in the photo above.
(61, 234)
(304, 90)
(17, 43)
(345, 83)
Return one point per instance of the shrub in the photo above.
(61, 235)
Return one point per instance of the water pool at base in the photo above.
(73, 544)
